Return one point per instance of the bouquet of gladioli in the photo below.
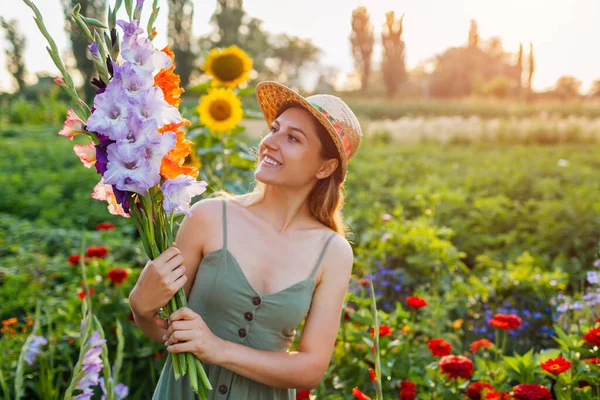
(137, 145)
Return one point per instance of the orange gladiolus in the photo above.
(168, 81)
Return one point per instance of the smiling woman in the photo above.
(259, 264)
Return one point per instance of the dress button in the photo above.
(248, 316)
(222, 389)
(242, 332)
(256, 300)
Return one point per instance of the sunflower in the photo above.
(229, 67)
(220, 110)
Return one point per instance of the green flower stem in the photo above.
(152, 19)
(84, 110)
(378, 390)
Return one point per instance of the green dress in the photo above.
(236, 312)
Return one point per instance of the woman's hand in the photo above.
(160, 279)
(188, 332)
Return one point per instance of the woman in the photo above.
(254, 266)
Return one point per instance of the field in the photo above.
(508, 223)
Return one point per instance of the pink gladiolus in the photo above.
(86, 153)
(73, 125)
(103, 191)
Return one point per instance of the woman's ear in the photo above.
(327, 168)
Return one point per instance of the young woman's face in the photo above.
(290, 152)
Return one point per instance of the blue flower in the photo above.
(385, 283)
(592, 277)
(537, 315)
(398, 287)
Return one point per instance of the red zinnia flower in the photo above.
(408, 390)
(416, 302)
(96, 251)
(598, 320)
(303, 394)
(593, 336)
(492, 395)
(556, 366)
(478, 344)
(384, 330)
(531, 391)
(591, 360)
(81, 292)
(456, 367)
(507, 322)
(117, 275)
(475, 390)
(363, 282)
(373, 376)
(360, 395)
(105, 226)
(439, 347)
(74, 259)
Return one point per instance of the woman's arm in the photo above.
(190, 239)
(305, 368)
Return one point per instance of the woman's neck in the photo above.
(284, 210)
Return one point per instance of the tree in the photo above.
(290, 54)
(531, 67)
(181, 14)
(567, 87)
(519, 68)
(473, 34)
(595, 89)
(362, 40)
(392, 64)
(79, 43)
(228, 19)
(15, 62)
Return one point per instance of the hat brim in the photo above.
(272, 96)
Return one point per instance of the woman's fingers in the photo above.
(181, 325)
(177, 273)
(174, 262)
(179, 336)
(163, 323)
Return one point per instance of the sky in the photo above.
(564, 33)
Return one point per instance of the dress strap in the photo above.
(224, 224)
(314, 271)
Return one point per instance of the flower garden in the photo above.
(477, 262)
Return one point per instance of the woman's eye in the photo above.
(293, 137)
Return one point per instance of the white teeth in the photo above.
(271, 161)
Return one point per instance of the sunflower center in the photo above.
(228, 67)
(220, 110)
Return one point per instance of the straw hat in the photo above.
(331, 111)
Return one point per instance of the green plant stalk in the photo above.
(84, 110)
(129, 9)
(4, 386)
(120, 347)
(152, 19)
(378, 391)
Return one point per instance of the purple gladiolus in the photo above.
(92, 365)
(34, 349)
(179, 191)
(95, 51)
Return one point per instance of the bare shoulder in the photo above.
(339, 257)
(206, 208)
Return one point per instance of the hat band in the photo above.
(337, 128)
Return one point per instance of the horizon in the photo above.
(553, 36)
